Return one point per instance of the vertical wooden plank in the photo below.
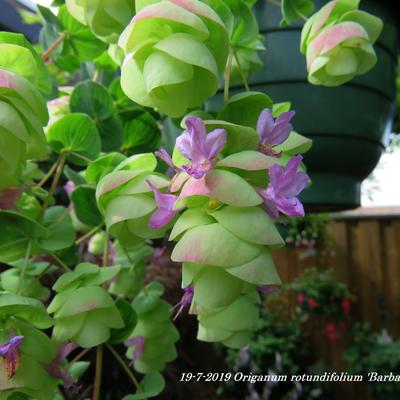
(391, 272)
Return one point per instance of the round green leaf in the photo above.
(75, 133)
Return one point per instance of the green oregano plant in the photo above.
(109, 148)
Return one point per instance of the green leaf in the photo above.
(293, 10)
(245, 108)
(294, 144)
(111, 133)
(61, 232)
(208, 284)
(151, 385)
(251, 224)
(215, 246)
(225, 186)
(42, 77)
(75, 133)
(74, 176)
(85, 205)
(141, 134)
(129, 316)
(102, 166)
(239, 137)
(260, 271)
(25, 308)
(92, 99)
(15, 233)
(148, 297)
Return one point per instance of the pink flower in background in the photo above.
(69, 187)
(272, 131)
(346, 305)
(301, 298)
(199, 147)
(312, 303)
(331, 332)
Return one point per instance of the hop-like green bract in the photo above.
(105, 18)
(83, 311)
(152, 343)
(23, 113)
(337, 42)
(174, 52)
(127, 201)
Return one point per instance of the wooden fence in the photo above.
(366, 256)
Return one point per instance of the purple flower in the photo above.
(162, 153)
(285, 183)
(273, 131)
(57, 368)
(165, 211)
(185, 301)
(138, 342)
(199, 147)
(10, 353)
(267, 289)
(69, 187)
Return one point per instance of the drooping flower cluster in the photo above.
(152, 343)
(223, 190)
(337, 41)
(106, 19)
(175, 50)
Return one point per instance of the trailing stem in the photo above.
(228, 76)
(46, 55)
(97, 379)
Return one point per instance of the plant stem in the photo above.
(60, 262)
(228, 76)
(88, 160)
(88, 234)
(125, 367)
(97, 379)
(106, 251)
(79, 356)
(23, 270)
(46, 55)
(54, 184)
(242, 75)
(48, 175)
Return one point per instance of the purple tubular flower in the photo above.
(165, 211)
(138, 342)
(57, 369)
(185, 301)
(10, 353)
(273, 131)
(162, 153)
(285, 183)
(199, 147)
